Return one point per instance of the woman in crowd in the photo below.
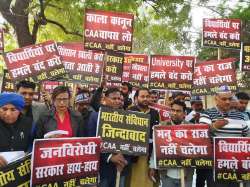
(60, 117)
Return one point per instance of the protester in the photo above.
(234, 103)
(31, 109)
(243, 99)
(60, 117)
(171, 176)
(196, 109)
(219, 118)
(154, 96)
(179, 96)
(140, 169)
(95, 101)
(15, 128)
(110, 162)
(126, 90)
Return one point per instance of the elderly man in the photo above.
(15, 129)
(219, 118)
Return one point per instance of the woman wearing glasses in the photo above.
(60, 121)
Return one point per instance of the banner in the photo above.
(138, 75)
(123, 131)
(81, 65)
(65, 161)
(210, 75)
(245, 57)
(114, 67)
(40, 61)
(171, 72)
(164, 111)
(1, 41)
(222, 33)
(16, 173)
(108, 30)
(182, 146)
(232, 159)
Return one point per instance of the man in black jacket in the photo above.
(15, 129)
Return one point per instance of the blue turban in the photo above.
(12, 98)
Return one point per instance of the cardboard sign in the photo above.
(171, 72)
(222, 33)
(40, 62)
(232, 159)
(182, 146)
(81, 65)
(123, 131)
(210, 75)
(65, 161)
(106, 30)
(16, 173)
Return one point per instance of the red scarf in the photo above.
(65, 124)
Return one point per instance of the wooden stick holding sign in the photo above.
(118, 177)
(182, 177)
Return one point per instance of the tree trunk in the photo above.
(17, 16)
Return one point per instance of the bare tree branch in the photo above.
(63, 28)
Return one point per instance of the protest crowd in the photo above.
(70, 116)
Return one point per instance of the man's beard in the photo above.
(144, 106)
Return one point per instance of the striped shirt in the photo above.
(236, 127)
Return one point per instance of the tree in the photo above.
(158, 23)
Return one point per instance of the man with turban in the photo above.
(15, 129)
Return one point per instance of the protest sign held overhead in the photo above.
(126, 68)
(138, 75)
(245, 57)
(40, 62)
(82, 65)
(123, 131)
(106, 30)
(232, 159)
(1, 41)
(16, 173)
(65, 161)
(182, 146)
(222, 33)
(49, 86)
(210, 75)
(171, 72)
(114, 67)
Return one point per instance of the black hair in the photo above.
(153, 92)
(193, 102)
(25, 84)
(83, 91)
(138, 91)
(111, 90)
(130, 87)
(58, 90)
(180, 103)
(242, 95)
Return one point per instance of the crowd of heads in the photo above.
(61, 99)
